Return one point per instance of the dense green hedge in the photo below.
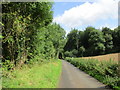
(104, 71)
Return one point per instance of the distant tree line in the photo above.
(28, 34)
(91, 42)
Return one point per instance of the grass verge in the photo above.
(104, 71)
(36, 76)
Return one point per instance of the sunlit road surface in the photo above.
(72, 77)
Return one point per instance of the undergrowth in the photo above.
(37, 75)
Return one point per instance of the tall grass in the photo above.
(34, 76)
(105, 71)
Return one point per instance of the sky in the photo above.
(79, 15)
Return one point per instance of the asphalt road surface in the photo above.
(72, 77)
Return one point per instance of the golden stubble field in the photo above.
(114, 56)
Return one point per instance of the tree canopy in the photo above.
(92, 41)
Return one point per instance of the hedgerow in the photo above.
(104, 71)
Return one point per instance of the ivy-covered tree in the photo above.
(116, 39)
(57, 36)
(108, 39)
(72, 40)
(81, 51)
(96, 42)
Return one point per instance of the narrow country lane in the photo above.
(72, 77)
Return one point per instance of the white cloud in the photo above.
(112, 28)
(108, 25)
(89, 13)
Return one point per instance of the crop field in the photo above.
(114, 56)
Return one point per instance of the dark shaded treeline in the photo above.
(91, 42)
